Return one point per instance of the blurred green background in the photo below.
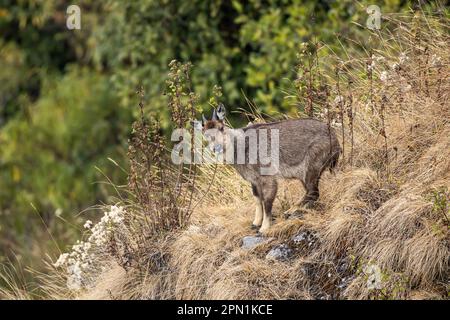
(68, 97)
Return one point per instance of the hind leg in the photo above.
(269, 191)
(259, 212)
(312, 194)
(311, 185)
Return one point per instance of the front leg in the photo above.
(259, 213)
(269, 192)
(259, 208)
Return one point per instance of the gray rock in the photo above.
(305, 238)
(249, 242)
(280, 252)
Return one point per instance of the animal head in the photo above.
(214, 130)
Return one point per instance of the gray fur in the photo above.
(306, 148)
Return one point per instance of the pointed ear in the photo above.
(203, 119)
(221, 111)
(214, 116)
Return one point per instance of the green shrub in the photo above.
(48, 158)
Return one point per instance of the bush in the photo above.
(48, 158)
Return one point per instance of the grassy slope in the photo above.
(370, 213)
(391, 225)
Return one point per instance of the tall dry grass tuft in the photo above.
(380, 231)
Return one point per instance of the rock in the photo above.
(249, 242)
(344, 266)
(280, 252)
(305, 239)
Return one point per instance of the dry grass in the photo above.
(362, 218)
(378, 211)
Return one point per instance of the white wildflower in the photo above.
(116, 214)
(403, 58)
(436, 61)
(404, 85)
(338, 100)
(75, 278)
(323, 114)
(88, 224)
(62, 260)
(80, 260)
(336, 123)
(378, 58)
(384, 76)
(395, 66)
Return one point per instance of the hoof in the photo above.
(260, 233)
(263, 231)
(254, 227)
(308, 204)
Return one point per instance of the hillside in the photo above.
(363, 223)
(379, 231)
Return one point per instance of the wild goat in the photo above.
(305, 147)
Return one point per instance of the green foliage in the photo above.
(247, 47)
(381, 284)
(49, 154)
(34, 38)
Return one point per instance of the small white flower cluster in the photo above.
(403, 58)
(338, 100)
(378, 59)
(392, 77)
(374, 277)
(436, 61)
(384, 76)
(374, 60)
(323, 114)
(338, 103)
(87, 224)
(371, 65)
(81, 259)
